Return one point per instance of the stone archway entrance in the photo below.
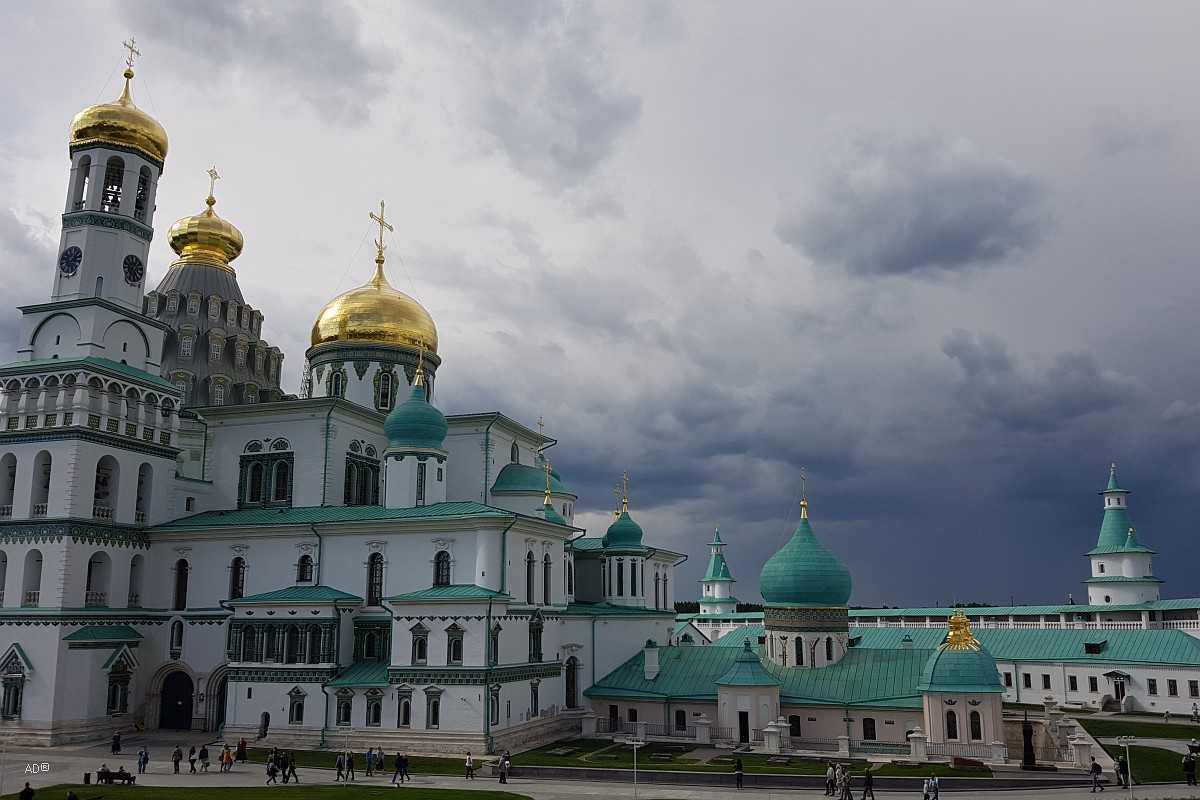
(176, 702)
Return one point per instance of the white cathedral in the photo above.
(185, 546)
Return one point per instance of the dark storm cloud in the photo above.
(547, 92)
(996, 390)
(25, 259)
(895, 207)
(313, 48)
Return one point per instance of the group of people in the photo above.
(120, 775)
(281, 764)
(839, 783)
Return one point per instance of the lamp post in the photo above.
(635, 744)
(1125, 741)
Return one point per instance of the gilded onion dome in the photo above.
(121, 124)
(205, 238)
(376, 312)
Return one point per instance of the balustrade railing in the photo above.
(6, 511)
(95, 600)
(31, 599)
(134, 600)
(980, 752)
(102, 511)
(139, 517)
(39, 509)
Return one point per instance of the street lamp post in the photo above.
(635, 744)
(1125, 741)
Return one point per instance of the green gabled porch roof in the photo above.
(305, 515)
(16, 648)
(1167, 647)
(104, 633)
(744, 633)
(587, 543)
(106, 365)
(299, 594)
(369, 674)
(458, 591)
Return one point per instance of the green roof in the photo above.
(610, 610)
(1173, 604)
(747, 670)
(804, 572)
(876, 678)
(362, 673)
(527, 479)
(1166, 647)
(304, 515)
(552, 515)
(415, 423)
(718, 570)
(587, 543)
(103, 633)
(1123, 579)
(745, 633)
(115, 368)
(300, 594)
(758, 615)
(953, 670)
(1116, 524)
(1113, 486)
(624, 532)
(457, 591)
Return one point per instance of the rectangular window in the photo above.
(1172, 687)
(631, 714)
(1008, 679)
(1027, 680)
(420, 483)
(214, 350)
(1152, 686)
(1045, 681)
(218, 394)
(1072, 683)
(172, 303)
(534, 706)
(185, 347)
(1093, 684)
(1193, 688)
(231, 316)
(193, 307)
(214, 307)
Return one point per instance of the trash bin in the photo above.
(87, 779)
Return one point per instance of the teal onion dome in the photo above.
(805, 572)
(624, 532)
(960, 664)
(415, 423)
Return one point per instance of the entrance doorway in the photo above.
(264, 725)
(744, 727)
(1119, 689)
(176, 702)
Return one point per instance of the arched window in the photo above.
(530, 577)
(31, 580)
(105, 491)
(951, 725)
(976, 726)
(291, 645)
(570, 576)
(420, 644)
(666, 596)
(304, 569)
(176, 639)
(633, 582)
(374, 579)
(433, 713)
(514, 454)
(237, 578)
(535, 639)
(181, 584)
(351, 482)
(314, 645)
(248, 653)
(441, 568)
(494, 646)
(254, 492)
(799, 651)
(572, 684)
(384, 401)
(405, 716)
(114, 177)
(143, 190)
(145, 491)
(282, 480)
(136, 565)
(620, 577)
(336, 384)
(868, 729)
(370, 646)
(82, 179)
(454, 644)
(546, 584)
(828, 648)
(657, 601)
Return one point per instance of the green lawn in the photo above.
(1151, 764)
(326, 759)
(1115, 726)
(259, 792)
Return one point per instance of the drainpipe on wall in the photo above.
(325, 466)
(325, 718)
(320, 552)
(487, 459)
(488, 746)
(504, 556)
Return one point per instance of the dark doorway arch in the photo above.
(264, 725)
(176, 702)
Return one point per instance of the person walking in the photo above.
(350, 765)
(470, 765)
(204, 758)
(291, 760)
(116, 743)
(507, 765)
(868, 783)
(1095, 771)
(503, 770)
(272, 772)
(398, 773)
(176, 757)
(228, 759)
(141, 760)
(341, 767)
(1189, 769)
(937, 787)
(370, 761)
(847, 790)
(830, 779)
(738, 772)
(1122, 771)
(241, 750)
(192, 759)
(26, 793)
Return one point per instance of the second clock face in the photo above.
(134, 269)
(70, 259)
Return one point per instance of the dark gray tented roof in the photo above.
(201, 278)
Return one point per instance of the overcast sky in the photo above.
(941, 255)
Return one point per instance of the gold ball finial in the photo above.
(959, 636)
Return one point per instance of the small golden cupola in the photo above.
(121, 124)
(205, 238)
(376, 312)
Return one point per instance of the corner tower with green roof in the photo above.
(805, 588)
(716, 595)
(1122, 567)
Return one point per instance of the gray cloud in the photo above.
(894, 207)
(996, 390)
(546, 94)
(27, 255)
(315, 49)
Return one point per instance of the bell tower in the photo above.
(117, 155)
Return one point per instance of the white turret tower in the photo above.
(716, 595)
(1122, 567)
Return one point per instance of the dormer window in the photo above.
(185, 347)
(1100, 567)
(214, 307)
(173, 303)
(193, 306)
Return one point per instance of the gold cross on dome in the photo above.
(131, 46)
(213, 177)
(803, 484)
(382, 224)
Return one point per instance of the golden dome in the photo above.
(205, 238)
(376, 312)
(120, 123)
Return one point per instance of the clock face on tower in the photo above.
(70, 260)
(133, 270)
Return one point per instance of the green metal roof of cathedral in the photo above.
(624, 532)
(362, 673)
(299, 594)
(804, 572)
(527, 479)
(456, 591)
(1116, 524)
(960, 663)
(115, 368)
(747, 670)
(717, 570)
(306, 515)
(415, 423)
(103, 633)
(552, 515)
